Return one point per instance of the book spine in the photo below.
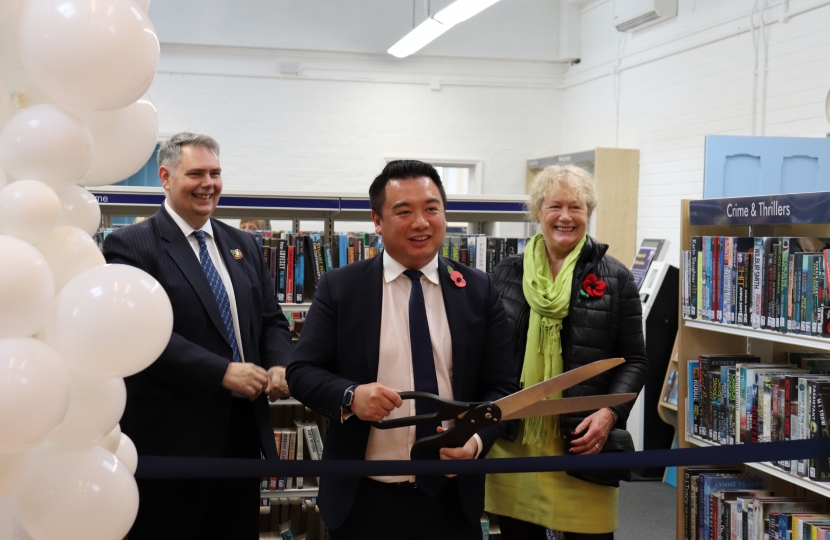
(757, 284)
(790, 292)
(309, 439)
(728, 289)
(315, 430)
(289, 275)
(717, 279)
(798, 260)
(282, 266)
(693, 275)
(299, 269)
(783, 316)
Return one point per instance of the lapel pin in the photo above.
(456, 277)
(237, 253)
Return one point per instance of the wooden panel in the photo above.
(617, 175)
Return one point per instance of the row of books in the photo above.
(771, 283)
(721, 503)
(297, 261)
(670, 392)
(290, 518)
(297, 436)
(735, 399)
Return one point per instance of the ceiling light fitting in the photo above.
(457, 12)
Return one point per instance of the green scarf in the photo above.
(549, 301)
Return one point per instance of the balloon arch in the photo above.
(73, 112)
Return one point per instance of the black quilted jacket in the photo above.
(596, 328)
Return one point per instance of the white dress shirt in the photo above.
(395, 360)
(218, 262)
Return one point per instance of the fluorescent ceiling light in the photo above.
(461, 10)
(458, 11)
(417, 38)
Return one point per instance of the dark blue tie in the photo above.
(219, 291)
(423, 371)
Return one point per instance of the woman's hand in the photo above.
(592, 432)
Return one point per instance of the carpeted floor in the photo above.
(647, 511)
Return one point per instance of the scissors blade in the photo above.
(570, 405)
(524, 398)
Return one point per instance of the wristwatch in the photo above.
(614, 414)
(348, 398)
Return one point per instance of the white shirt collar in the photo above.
(392, 269)
(187, 230)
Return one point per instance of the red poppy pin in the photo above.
(456, 277)
(592, 287)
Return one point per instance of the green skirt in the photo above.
(551, 499)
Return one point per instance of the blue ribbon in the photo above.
(160, 467)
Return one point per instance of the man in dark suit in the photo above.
(394, 323)
(206, 394)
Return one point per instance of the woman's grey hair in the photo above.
(573, 181)
(170, 151)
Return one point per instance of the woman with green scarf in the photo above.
(568, 304)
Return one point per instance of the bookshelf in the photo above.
(328, 207)
(808, 216)
(768, 468)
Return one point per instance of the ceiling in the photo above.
(511, 29)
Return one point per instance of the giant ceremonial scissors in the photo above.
(471, 418)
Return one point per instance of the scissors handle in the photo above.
(447, 410)
(479, 417)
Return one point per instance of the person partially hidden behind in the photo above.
(205, 395)
(569, 304)
(253, 225)
(397, 323)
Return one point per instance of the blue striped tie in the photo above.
(219, 292)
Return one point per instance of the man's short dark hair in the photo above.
(402, 169)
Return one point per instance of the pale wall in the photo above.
(685, 79)
(330, 127)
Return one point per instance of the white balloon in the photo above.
(28, 210)
(111, 440)
(7, 108)
(88, 54)
(7, 6)
(127, 453)
(11, 472)
(95, 407)
(69, 252)
(34, 392)
(26, 288)
(46, 143)
(124, 141)
(78, 495)
(3, 178)
(110, 321)
(144, 4)
(80, 209)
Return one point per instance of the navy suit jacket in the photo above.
(177, 406)
(339, 346)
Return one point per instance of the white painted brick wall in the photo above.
(330, 128)
(327, 130)
(675, 89)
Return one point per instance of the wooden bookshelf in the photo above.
(698, 337)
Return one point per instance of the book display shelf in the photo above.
(785, 216)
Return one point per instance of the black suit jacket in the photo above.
(339, 346)
(177, 406)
